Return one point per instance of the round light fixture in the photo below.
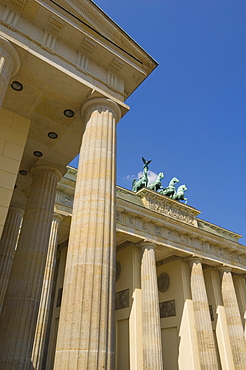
(23, 172)
(68, 113)
(52, 135)
(17, 86)
(37, 153)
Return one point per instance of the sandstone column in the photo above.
(86, 327)
(20, 309)
(205, 338)
(152, 347)
(233, 319)
(240, 288)
(44, 307)
(135, 318)
(7, 247)
(9, 65)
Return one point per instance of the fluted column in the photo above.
(233, 319)
(43, 313)
(86, 328)
(7, 247)
(20, 309)
(240, 289)
(204, 330)
(152, 347)
(9, 65)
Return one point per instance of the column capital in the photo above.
(224, 268)
(37, 168)
(101, 104)
(11, 52)
(147, 245)
(57, 217)
(194, 259)
(17, 210)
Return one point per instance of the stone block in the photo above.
(21, 124)
(14, 136)
(13, 151)
(3, 214)
(2, 145)
(7, 180)
(9, 164)
(6, 117)
(5, 196)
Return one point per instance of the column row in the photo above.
(203, 325)
(206, 339)
(89, 282)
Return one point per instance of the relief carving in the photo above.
(122, 299)
(68, 200)
(167, 309)
(167, 210)
(163, 282)
(145, 226)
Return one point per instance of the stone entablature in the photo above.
(166, 222)
(65, 192)
(205, 225)
(53, 26)
(167, 231)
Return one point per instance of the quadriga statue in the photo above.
(156, 185)
(143, 181)
(179, 195)
(170, 190)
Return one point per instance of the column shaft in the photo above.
(240, 289)
(234, 322)
(86, 330)
(44, 307)
(135, 318)
(7, 247)
(205, 338)
(20, 310)
(152, 347)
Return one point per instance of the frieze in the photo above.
(65, 199)
(189, 243)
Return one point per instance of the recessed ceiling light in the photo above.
(23, 172)
(52, 135)
(37, 153)
(17, 86)
(68, 113)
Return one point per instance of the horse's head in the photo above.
(183, 188)
(175, 180)
(161, 175)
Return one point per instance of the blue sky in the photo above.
(189, 115)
